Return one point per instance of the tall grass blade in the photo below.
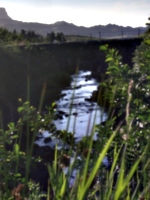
(122, 184)
(85, 185)
(111, 173)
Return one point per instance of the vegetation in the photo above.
(80, 38)
(124, 139)
(24, 37)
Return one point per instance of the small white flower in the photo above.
(141, 125)
(125, 137)
(41, 130)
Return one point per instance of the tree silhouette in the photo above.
(60, 37)
(50, 37)
(148, 25)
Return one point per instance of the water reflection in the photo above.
(76, 113)
(79, 114)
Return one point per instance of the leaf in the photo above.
(103, 84)
(17, 175)
(63, 188)
(11, 125)
(85, 185)
(142, 65)
(27, 103)
(148, 77)
(147, 42)
(14, 136)
(20, 109)
(126, 181)
(148, 55)
(16, 149)
(103, 47)
(108, 72)
(113, 68)
(109, 59)
(53, 104)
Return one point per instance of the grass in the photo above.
(125, 178)
(85, 186)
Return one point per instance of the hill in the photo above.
(108, 31)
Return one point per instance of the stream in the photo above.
(76, 112)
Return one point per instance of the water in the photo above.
(76, 113)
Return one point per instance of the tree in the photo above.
(14, 35)
(50, 37)
(4, 34)
(60, 37)
(148, 25)
(23, 32)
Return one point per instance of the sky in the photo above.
(86, 13)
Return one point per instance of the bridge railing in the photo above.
(102, 35)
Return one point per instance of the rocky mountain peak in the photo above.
(108, 31)
(3, 14)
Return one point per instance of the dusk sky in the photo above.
(80, 12)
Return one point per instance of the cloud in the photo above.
(127, 13)
(134, 6)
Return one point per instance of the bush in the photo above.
(122, 145)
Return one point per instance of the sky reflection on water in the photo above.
(79, 115)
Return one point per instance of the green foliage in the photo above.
(124, 137)
(129, 93)
(16, 160)
(59, 37)
(148, 25)
(24, 37)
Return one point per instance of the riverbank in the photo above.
(26, 70)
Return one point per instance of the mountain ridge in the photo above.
(109, 30)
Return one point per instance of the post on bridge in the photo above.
(138, 32)
(122, 34)
(99, 35)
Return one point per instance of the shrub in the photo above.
(124, 139)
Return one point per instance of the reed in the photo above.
(123, 140)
